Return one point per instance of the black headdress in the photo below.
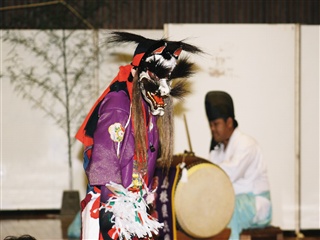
(219, 104)
(168, 49)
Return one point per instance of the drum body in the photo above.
(204, 202)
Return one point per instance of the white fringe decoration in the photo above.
(130, 215)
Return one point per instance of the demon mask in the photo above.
(157, 64)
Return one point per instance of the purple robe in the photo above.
(105, 165)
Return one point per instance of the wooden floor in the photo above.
(54, 226)
(42, 226)
(40, 229)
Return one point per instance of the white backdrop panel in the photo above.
(34, 164)
(310, 168)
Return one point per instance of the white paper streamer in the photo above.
(130, 215)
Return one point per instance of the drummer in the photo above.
(240, 157)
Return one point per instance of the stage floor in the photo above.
(40, 229)
(51, 226)
(41, 225)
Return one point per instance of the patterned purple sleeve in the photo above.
(113, 148)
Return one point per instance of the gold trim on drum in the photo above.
(204, 205)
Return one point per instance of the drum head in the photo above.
(204, 204)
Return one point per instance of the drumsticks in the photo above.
(188, 135)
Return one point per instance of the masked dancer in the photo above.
(129, 127)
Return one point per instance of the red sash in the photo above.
(122, 76)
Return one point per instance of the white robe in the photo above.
(242, 161)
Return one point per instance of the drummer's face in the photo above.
(221, 129)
